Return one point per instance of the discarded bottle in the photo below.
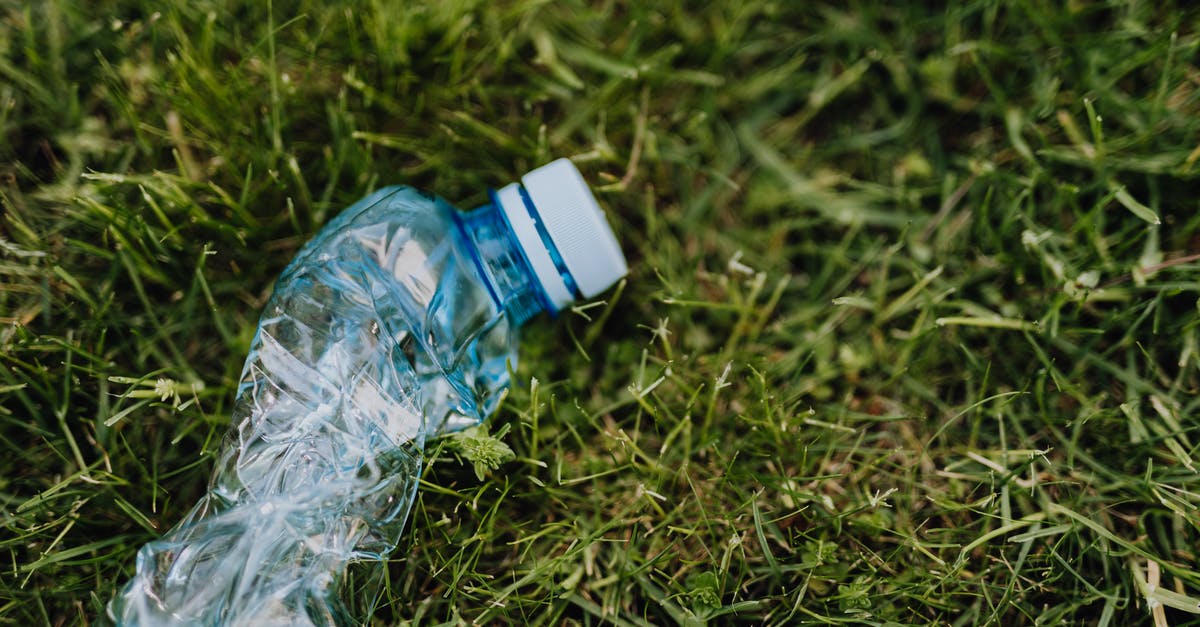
(394, 325)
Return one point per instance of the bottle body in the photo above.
(395, 324)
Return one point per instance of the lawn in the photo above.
(910, 334)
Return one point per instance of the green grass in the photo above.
(910, 337)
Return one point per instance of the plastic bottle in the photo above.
(394, 325)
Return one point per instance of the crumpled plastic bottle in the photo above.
(396, 324)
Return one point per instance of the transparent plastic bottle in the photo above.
(394, 325)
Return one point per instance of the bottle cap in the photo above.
(563, 232)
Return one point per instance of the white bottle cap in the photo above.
(558, 205)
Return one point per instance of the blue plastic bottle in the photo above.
(394, 325)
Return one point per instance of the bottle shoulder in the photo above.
(416, 211)
(387, 216)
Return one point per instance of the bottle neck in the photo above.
(498, 256)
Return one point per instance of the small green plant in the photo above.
(485, 452)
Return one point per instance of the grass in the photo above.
(910, 335)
